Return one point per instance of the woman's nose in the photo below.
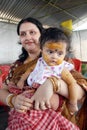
(28, 36)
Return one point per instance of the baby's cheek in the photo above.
(54, 101)
(59, 61)
(46, 58)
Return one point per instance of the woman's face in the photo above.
(29, 37)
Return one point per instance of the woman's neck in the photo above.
(32, 56)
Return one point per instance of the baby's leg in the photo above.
(54, 101)
(73, 90)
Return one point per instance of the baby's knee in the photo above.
(54, 101)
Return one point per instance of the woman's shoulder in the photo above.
(16, 63)
(13, 66)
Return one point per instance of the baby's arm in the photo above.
(62, 90)
(72, 89)
(43, 94)
(69, 88)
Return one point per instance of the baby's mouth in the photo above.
(53, 62)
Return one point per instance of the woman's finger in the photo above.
(22, 102)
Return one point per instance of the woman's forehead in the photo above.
(28, 26)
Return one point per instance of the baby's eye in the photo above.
(50, 51)
(60, 53)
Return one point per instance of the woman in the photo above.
(29, 30)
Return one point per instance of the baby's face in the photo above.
(54, 52)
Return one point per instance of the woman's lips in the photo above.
(29, 43)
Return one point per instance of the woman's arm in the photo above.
(3, 94)
(19, 102)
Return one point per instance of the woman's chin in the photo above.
(31, 48)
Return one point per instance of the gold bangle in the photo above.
(54, 81)
(9, 100)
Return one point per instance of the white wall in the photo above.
(9, 47)
(79, 44)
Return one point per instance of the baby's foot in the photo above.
(72, 108)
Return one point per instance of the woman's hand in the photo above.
(43, 95)
(22, 103)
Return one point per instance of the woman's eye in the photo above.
(22, 34)
(32, 32)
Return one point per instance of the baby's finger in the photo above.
(36, 105)
(43, 106)
(48, 104)
(21, 111)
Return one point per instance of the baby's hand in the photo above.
(43, 95)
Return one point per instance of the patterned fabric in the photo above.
(39, 120)
(42, 71)
(36, 120)
(11, 71)
(81, 80)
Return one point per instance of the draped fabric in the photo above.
(39, 120)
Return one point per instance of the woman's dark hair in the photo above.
(24, 53)
(31, 20)
(54, 34)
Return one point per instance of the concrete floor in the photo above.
(3, 117)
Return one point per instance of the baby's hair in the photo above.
(53, 34)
